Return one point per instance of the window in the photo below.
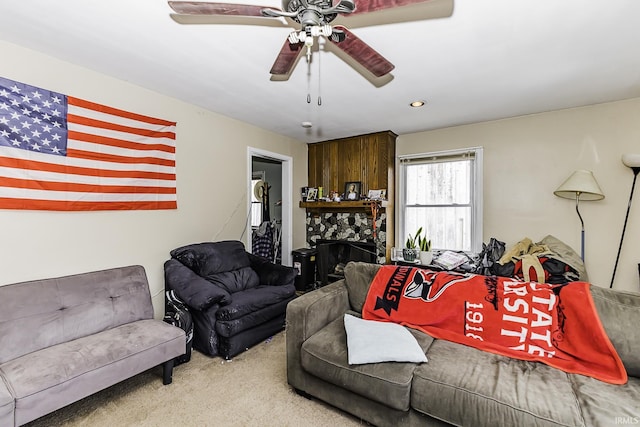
(442, 193)
(256, 203)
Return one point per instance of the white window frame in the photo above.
(476, 192)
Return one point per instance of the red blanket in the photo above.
(553, 324)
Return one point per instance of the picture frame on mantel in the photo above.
(352, 190)
(312, 194)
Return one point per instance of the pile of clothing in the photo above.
(547, 261)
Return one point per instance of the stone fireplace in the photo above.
(343, 237)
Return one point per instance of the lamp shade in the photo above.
(631, 160)
(581, 184)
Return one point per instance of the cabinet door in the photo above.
(349, 161)
(315, 164)
(378, 160)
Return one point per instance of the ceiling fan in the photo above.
(314, 18)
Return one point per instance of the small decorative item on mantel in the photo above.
(352, 190)
(312, 194)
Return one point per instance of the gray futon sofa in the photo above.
(459, 385)
(65, 338)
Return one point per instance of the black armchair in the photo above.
(236, 299)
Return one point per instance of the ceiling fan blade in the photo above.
(287, 58)
(367, 6)
(361, 52)
(205, 8)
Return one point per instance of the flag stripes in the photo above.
(110, 159)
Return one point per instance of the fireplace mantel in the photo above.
(344, 206)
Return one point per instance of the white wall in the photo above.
(527, 158)
(211, 159)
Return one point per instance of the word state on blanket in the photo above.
(526, 317)
(554, 324)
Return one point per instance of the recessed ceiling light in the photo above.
(417, 104)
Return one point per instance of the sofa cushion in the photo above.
(41, 383)
(465, 386)
(605, 404)
(196, 291)
(619, 313)
(235, 280)
(325, 355)
(245, 302)
(6, 405)
(57, 310)
(270, 273)
(212, 257)
(358, 277)
(370, 341)
(252, 319)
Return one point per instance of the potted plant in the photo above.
(424, 244)
(411, 250)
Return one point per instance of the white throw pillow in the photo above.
(370, 341)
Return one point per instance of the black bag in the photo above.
(177, 314)
(489, 257)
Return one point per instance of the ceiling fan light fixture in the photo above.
(417, 104)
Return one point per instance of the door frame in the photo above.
(287, 197)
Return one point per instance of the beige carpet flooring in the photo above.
(250, 390)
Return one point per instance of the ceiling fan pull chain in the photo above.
(319, 69)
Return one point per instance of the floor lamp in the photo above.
(581, 185)
(632, 161)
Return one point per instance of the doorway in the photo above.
(276, 171)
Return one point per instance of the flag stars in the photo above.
(25, 138)
(26, 125)
(16, 143)
(36, 94)
(4, 121)
(35, 133)
(4, 106)
(56, 99)
(26, 111)
(26, 99)
(15, 129)
(46, 128)
(56, 137)
(35, 147)
(15, 116)
(55, 150)
(15, 89)
(4, 93)
(4, 134)
(46, 142)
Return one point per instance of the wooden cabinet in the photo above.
(369, 159)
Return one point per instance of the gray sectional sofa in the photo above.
(62, 339)
(459, 385)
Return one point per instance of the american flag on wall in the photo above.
(63, 153)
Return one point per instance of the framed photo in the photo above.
(352, 190)
(377, 194)
(312, 194)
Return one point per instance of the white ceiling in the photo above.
(490, 59)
